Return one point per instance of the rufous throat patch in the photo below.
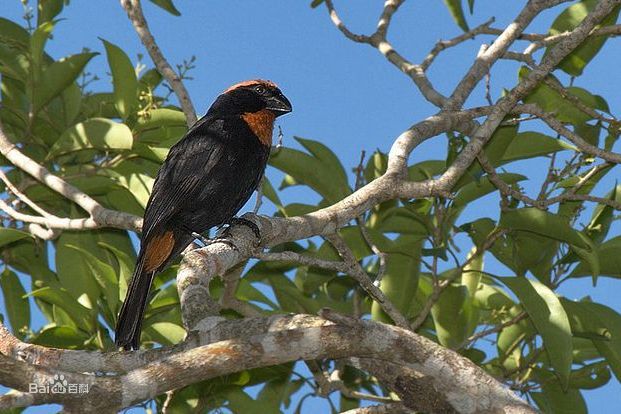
(261, 123)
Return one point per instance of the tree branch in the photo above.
(99, 216)
(276, 340)
(133, 9)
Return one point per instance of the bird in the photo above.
(206, 178)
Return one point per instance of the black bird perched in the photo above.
(204, 181)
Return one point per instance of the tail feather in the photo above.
(155, 254)
(129, 323)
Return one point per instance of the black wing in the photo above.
(185, 172)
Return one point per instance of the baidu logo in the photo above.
(58, 385)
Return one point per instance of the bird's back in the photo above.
(208, 175)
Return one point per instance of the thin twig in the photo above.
(379, 41)
(520, 316)
(442, 45)
(99, 216)
(360, 221)
(133, 9)
(357, 272)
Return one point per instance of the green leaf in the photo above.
(584, 320)
(471, 278)
(160, 117)
(167, 5)
(477, 189)
(37, 44)
(590, 377)
(270, 193)
(105, 276)
(494, 150)
(14, 64)
(400, 281)
(48, 9)
(165, 333)
(59, 76)
(489, 297)
(137, 177)
(95, 133)
(545, 310)
(533, 252)
(602, 217)
(590, 133)
(328, 159)
(553, 227)
(533, 144)
(602, 325)
(239, 402)
(123, 79)
(316, 3)
(322, 171)
(552, 101)
(9, 235)
(401, 220)
(277, 392)
(72, 101)
(584, 350)
(73, 273)
(451, 316)
(425, 169)
(569, 209)
(126, 266)
(479, 231)
(546, 224)
(553, 399)
(78, 314)
(66, 337)
(609, 260)
(247, 292)
(99, 105)
(568, 20)
(15, 303)
(150, 80)
(510, 339)
(456, 10)
(13, 34)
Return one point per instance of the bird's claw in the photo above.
(206, 242)
(202, 238)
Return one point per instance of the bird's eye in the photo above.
(260, 89)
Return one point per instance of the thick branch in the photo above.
(276, 340)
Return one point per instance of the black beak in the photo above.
(279, 104)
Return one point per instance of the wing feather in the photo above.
(184, 173)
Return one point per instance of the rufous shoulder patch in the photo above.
(158, 250)
(261, 123)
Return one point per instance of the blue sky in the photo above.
(345, 95)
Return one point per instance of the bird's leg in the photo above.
(206, 242)
(200, 237)
(248, 223)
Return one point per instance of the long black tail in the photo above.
(129, 323)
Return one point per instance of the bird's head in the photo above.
(258, 95)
